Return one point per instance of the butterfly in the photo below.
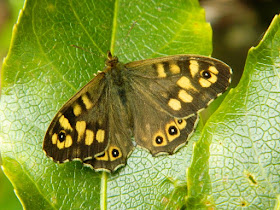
(156, 101)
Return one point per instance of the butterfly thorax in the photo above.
(114, 71)
(111, 61)
(116, 80)
(118, 87)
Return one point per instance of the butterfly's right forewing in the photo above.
(180, 85)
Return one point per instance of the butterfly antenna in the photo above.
(131, 27)
(72, 45)
(125, 39)
(81, 48)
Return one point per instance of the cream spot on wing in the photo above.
(60, 145)
(184, 96)
(86, 101)
(213, 78)
(77, 109)
(89, 137)
(185, 83)
(174, 68)
(204, 82)
(181, 123)
(213, 69)
(80, 127)
(68, 141)
(64, 122)
(54, 138)
(160, 70)
(194, 67)
(174, 104)
(100, 135)
(103, 157)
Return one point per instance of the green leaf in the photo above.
(8, 198)
(9, 14)
(236, 161)
(43, 70)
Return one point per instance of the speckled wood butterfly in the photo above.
(155, 100)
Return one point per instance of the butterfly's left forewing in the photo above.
(78, 129)
(93, 126)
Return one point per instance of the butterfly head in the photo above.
(111, 60)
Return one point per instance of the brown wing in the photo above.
(120, 144)
(169, 90)
(179, 85)
(78, 131)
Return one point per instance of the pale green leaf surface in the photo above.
(242, 140)
(8, 198)
(43, 70)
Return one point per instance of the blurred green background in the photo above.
(237, 25)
